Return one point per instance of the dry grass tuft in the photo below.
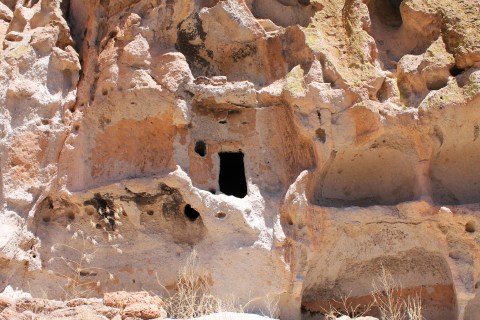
(193, 295)
(345, 307)
(390, 301)
(74, 263)
(388, 298)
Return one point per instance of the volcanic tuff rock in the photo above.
(297, 145)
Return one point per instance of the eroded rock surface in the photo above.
(297, 145)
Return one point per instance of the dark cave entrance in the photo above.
(388, 12)
(232, 179)
(191, 213)
(201, 148)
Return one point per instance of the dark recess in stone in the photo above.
(190, 42)
(389, 12)
(191, 213)
(201, 148)
(470, 226)
(232, 179)
(321, 135)
(304, 2)
(455, 71)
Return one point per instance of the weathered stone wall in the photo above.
(357, 121)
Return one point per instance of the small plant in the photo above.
(271, 306)
(77, 262)
(388, 298)
(193, 297)
(344, 307)
(390, 301)
(414, 308)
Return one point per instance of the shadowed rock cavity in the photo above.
(167, 212)
(455, 176)
(417, 272)
(227, 40)
(283, 13)
(232, 174)
(379, 175)
(396, 35)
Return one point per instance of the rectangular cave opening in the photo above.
(232, 179)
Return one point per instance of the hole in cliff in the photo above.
(321, 135)
(208, 3)
(220, 215)
(284, 13)
(232, 174)
(87, 273)
(191, 213)
(354, 283)
(90, 210)
(150, 212)
(455, 71)
(454, 174)
(389, 12)
(70, 214)
(380, 175)
(201, 148)
(437, 85)
(470, 226)
(212, 190)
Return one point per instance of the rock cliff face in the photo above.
(298, 145)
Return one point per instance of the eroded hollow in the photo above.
(201, 148)
(454, 174)
(455, 71)
(284, 13)
(166, 212)
(470, 226)
(416, 272)
(232, 179)
(396, 35)
(379, 175)
(191, 213)
(389, 12)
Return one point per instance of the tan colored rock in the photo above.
(296, 145)
(122, 299)
(143, 311)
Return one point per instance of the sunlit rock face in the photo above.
(297, 145)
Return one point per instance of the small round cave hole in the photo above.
(220, 215)
(201, 148)
(191, 213)
(470, 226)
(455, 71)
(70, 214)
(321, 135)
